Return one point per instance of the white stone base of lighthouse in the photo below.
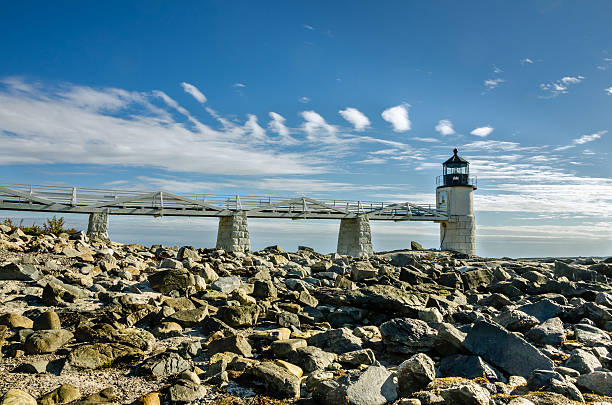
(459, 235)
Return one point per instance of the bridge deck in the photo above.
(58, 199)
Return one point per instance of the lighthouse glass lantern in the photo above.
(456, 171)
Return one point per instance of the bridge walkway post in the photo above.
(97, 228)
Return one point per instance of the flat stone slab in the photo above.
(505, 350)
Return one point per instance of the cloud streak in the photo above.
(194, 92)
(355, 117)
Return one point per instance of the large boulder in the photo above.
(336, 341)
(17, 397)
(165, 281)
(415, 373)
(19, 271)
(239, 316)
(406, 335)
(277, 380)
(47, 341)
(100, 355)
(374, 387)
(459, 365)
(164, 364)
(549, 332)
(600, 382)
(505, 350)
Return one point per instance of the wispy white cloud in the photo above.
(277, 125)
(308, 27)
(304, 100)
(253, 127)
(497, 70)
(195, 93)
(526, 61)
(482, 131)
(561, 85)
(445, 127)
(582, 140)
(317, 129)
(609, 90)
(425, 139)
(490, 84)
(398, 117)
(355, 117)
(239, 85)
(81, 125)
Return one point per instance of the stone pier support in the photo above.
(355, 237)
(233, 234)
(97, 229)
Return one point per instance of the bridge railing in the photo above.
(78, 196)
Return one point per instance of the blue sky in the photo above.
(349, 100)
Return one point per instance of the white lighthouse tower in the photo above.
(455, 194)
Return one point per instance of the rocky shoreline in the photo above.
(92, 322)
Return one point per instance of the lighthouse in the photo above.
(455, 195)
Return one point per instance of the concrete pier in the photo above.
(355, 237)
(233, 234)
(97, 229)
(458, 234)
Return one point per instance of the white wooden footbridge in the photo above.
(57, 199)
(233, 211)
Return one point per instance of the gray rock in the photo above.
(186, 391)
(599, 382)
(336, 341)
(414, 374)
(505, 350)
(264, 289)
(245, 315)
(164, 364)
(33, 367)
(277, 380)
(17, 397)
(311, 358)
(472, 279)
(459, 365)
(282, 348)
(65, 393)
(552, 381)
(516, 321)
(100, 355)
(20, 271)
(189, 317)
(47, 341)
(406, 335)
(363, 270)
(590, 335)
(374, 387)
(288, 319)
(226, 285)
(165, 281)
(574, 273)
(236, 344)
(430, 315)
(449, 340)
(549, 332)
(583, 362)
(543, 309)
(465, 393)
(385, 297)
(358, 357)
(47, 320)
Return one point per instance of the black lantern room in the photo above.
(456, 171)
